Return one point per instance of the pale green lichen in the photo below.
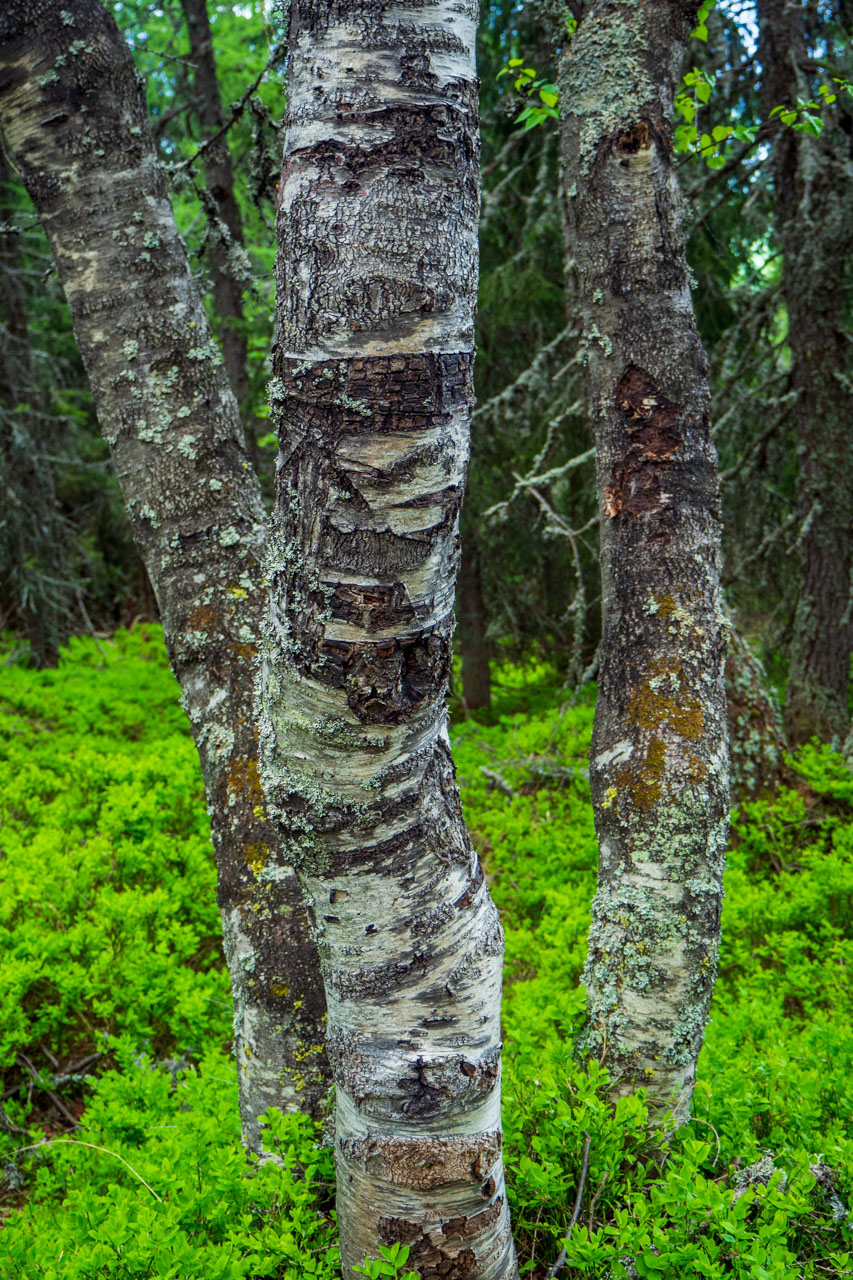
(607, 75)
(205, 351)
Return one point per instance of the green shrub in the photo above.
(108, 917)
(110, 940)
(164, 1189)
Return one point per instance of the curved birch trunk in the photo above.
(659, 765)
(372, 391)
(813, 194)
(73, 113)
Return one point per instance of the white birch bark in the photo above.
(372, 391)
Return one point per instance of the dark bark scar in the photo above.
(653, 439)
(635, 138)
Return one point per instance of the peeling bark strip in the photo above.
(659, 770)
(372, 394)
(73, 113)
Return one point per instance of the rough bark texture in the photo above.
(473, 646)
(74, 115)
(813, 188)
(372, 392)
(226, 256)
(659, 764)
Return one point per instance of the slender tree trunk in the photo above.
(813, 190)
(372, 391)
(225, 252)
(72, 110)
(473, 646)
(35, 587)
(659, 765)
(756, 738)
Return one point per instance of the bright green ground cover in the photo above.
(109, 940)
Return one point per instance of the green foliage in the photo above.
(700, 31)
(542, 94)
(188, 1206)
(108, 919)
(103, 802)
(393, 1258)
(778, 1053)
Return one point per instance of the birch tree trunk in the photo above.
(377, 274)
(813, 191)
(73, 114)
(659, 764)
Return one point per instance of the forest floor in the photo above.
(119, 1133)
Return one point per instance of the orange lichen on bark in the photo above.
(644, 785)
(243, 779)
(651, 708)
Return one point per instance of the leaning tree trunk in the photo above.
(813, 191)
(372, 392)
(659, 765)
(73, 113)
(225, 252)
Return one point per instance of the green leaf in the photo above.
(684, 137)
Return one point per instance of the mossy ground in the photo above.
(110, 939)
